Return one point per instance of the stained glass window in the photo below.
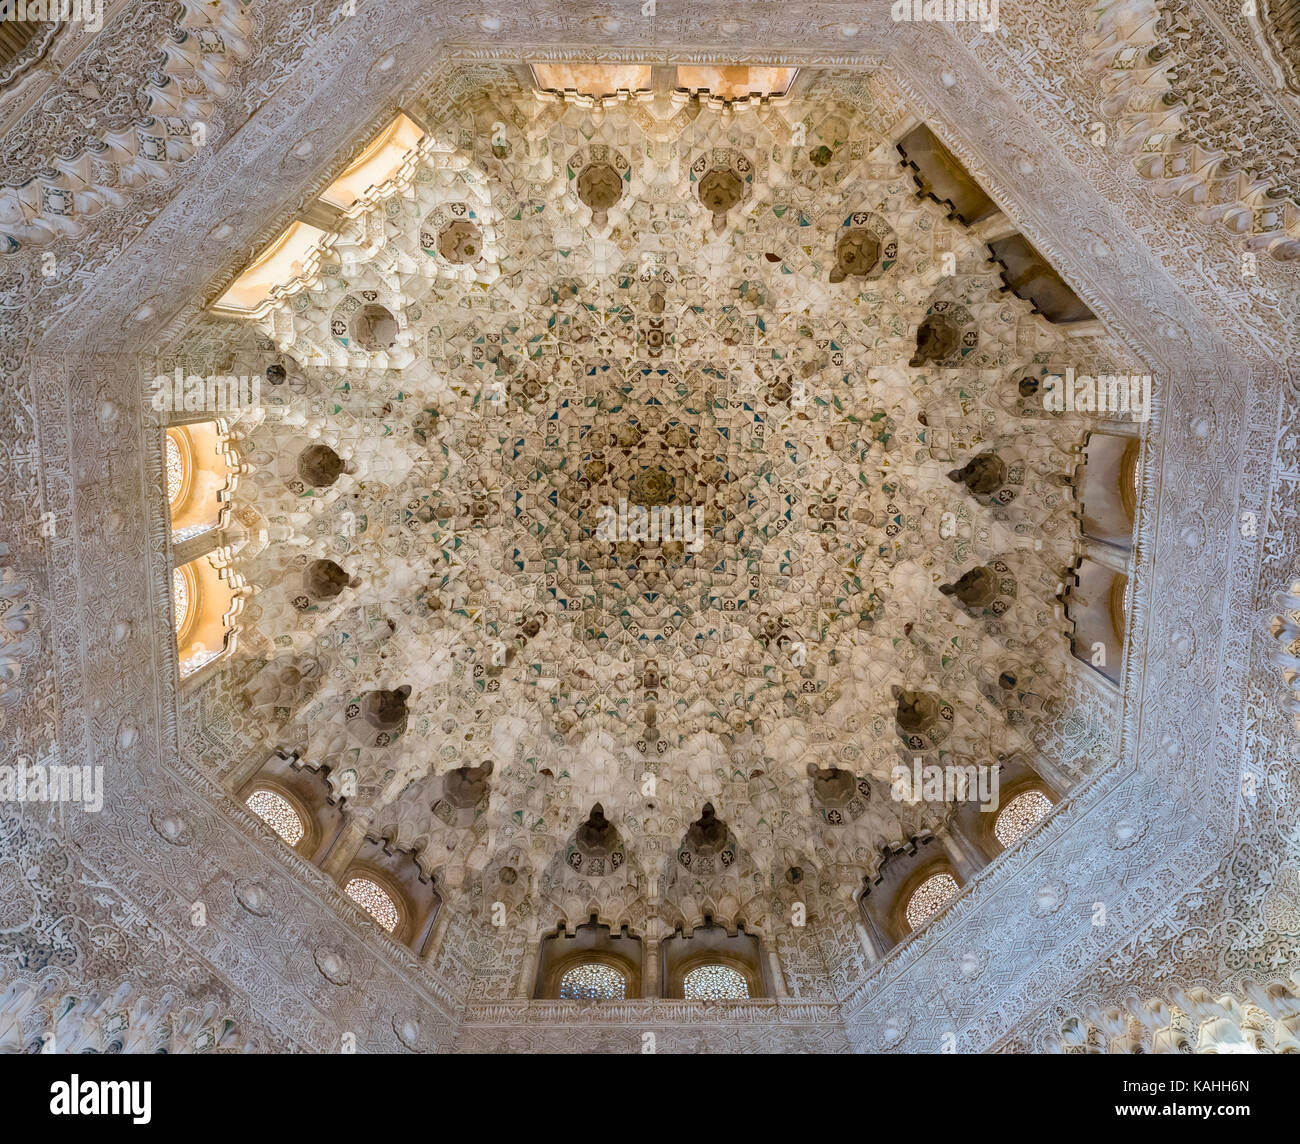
(715, 983)
(1015, 819)
(929, 898)
(180, 597)
(278, 813)
(175, 470)
(594, 982)
(374, 901)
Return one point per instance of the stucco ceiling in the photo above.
(286, 109)
(727, 327)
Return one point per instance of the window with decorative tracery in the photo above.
(1019, 815)
(929, 898)
(715, 983)
(375, 901)
(278, 813)
(175, 470)
(180, 598)
(593, 981)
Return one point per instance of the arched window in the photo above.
(290, 794)
(1120, 598)
(593, 981)
(180, 599)
(1128, 480)
(1015, 819)
(178, 473)
(1107, 484)
(206, 598)
(590, 963)
(734, 82)
(715, 983)
(278, 813)
(592, 79)
(375, 901)
(929, 898)
(198, 475)
(1096, 605)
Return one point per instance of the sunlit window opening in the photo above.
(1019, 815)
(592, 79)
(291, 255)
(374, 901)
(380, 161)
(206, 599)
(175, 470)
(278, 813)
(929, 898)
(735, 82)
(180, 599)
(600, 80)
(593, 982)
(714, 983)
(199, 474)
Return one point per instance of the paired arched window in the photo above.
(593, 981)
(929, 898)
(600, 80)
(715, 983)
(375, 900)
(1098, 599)
(303, 806)
(1016, 819)
(591, 964)
(207, 594)
(278, 813)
